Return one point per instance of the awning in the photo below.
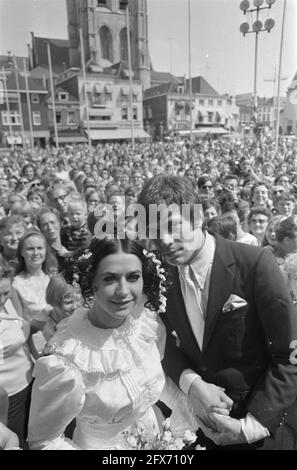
(211, 130)
(14, 140)
(98, 88)
(89, 87)
(71, 139)
(108, 88)
(118, 134)
(100, 112)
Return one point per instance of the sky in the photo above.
(219, 51)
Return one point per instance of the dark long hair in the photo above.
(50, 264)
(83, 269)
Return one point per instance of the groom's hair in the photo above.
(169, 190)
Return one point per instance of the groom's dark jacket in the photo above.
(248, 351)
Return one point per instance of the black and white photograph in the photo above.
(148, 228)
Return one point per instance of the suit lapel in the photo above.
(221, 284)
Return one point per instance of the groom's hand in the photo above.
(228, 431)
(207, 398)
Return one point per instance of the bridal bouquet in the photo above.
(164, 440)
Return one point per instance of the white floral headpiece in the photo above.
(85, 255)
(161, 275)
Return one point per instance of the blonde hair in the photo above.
(56, 290)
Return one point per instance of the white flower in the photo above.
(189, 437)
(179, 443)
(167, 436)
(166, 424)
(198, 447)
(85, 256)
(132, 441)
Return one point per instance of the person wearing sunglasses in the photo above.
(205, 185)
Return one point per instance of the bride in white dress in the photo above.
(104, 367)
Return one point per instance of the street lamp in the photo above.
(257, 27)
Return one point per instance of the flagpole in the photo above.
(7, 104)
(52, 93)
(279, 79)
(29, 104)
(190, 70)
(85, 87)
(130, 76)
(16, 70)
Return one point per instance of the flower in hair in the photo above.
(161, 275)
(85, 255)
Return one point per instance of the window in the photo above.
(101, 3)
(71, 117)
(5, 118)
(1, 92)
(106, 43)
(180, 90)
(125, 114)
(63, 96)
(14, 118)
(150, 112)
(123, 4)
(219, 102)
(36, 118)
(100, 118)
(58, 117)
(210, 116)
(201, 101)
(123, 44)
(35, 98)
(135, 114)
(210, 102)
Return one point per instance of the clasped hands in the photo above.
(212, 407)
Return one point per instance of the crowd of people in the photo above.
(86, 347)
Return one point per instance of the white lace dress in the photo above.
(108, 379)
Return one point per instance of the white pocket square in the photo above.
(234, 302)
(177, 340)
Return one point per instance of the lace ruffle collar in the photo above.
(105, 351)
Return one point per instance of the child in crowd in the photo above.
(63, 298)
(76, 235)
(24, 210)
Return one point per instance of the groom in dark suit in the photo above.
(231, 326)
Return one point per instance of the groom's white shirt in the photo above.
(194, 281)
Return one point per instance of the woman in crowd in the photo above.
(269, 239)
(29, 172)
(259, 196)
(258, 219)
(286, 235)
(36, 263)
(105, 363)
(211, 208)
(12, 228)
(205, 185)
(16, 364)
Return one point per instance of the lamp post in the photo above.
(257, 27)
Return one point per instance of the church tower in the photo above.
(104, 31)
